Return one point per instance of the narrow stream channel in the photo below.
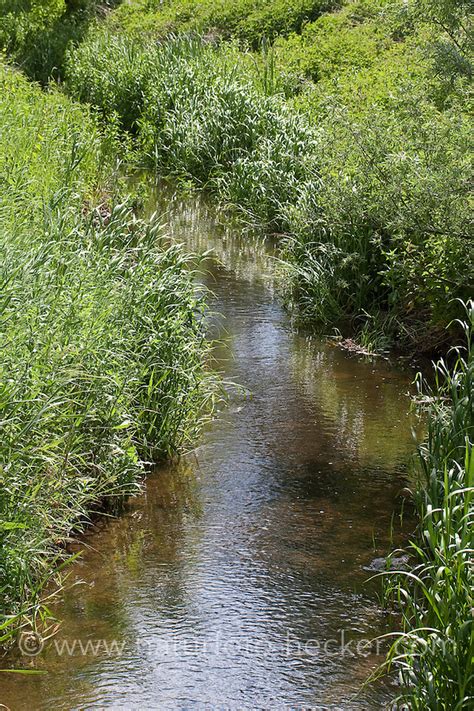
(237, 580)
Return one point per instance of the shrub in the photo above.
(337, 42)
(248, 20)
(392, 199)
(36, 33)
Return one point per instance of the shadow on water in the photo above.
(237, 580)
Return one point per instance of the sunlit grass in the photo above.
(435, 652)
(101, 326)
(360, 195)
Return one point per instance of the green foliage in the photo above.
(435, 652)
(36, 33)
(101, 326)
(194, 118)
(393, 200)
(338, 42)
(248, 20)
(372, 195)
(452, 17)
(450, 44)
(20, 18)
(364, 169)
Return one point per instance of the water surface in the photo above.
(237, 580)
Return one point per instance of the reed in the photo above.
(434, 653)
(102, 362)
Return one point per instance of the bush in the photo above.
(337, 42)
(248, 20)
(23, 18)
(36, 33)
(392, 199)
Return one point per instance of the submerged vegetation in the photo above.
(102, 340)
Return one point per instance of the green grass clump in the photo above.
(435, 652)
(193, 116)
(101, 326)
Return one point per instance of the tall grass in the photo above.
(194, 117)
(371, 203)
(435, 652)
(101, 367)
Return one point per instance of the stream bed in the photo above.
(238, 579)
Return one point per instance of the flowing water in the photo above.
(238, 579)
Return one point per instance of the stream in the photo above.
(238, 579)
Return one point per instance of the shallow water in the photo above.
(237, 580)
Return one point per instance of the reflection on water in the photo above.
(236, 580)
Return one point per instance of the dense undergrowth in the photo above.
(350, 136)
(435, 652)
(365, 173)
(37, 33)
(102, 339)
(250, 21)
